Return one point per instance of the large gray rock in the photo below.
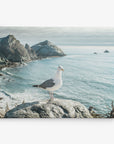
(47, 49)
(12, 50)
(60, 108)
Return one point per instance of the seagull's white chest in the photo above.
(58, 82)
(57, 85)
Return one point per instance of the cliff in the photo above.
(12, 50)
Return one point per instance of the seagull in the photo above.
(52, 84)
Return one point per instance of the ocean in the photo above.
(87, 78)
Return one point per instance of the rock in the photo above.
(106, 51)
(94, 114)
(2, 113)
(112, 114)
(1, 74)
(27, 47)
(2, 110)
(31, 52)
(60, 108)
(2, 61)
(47, 49)
(12, 50)
(112, 111)
(1, 98)
(95, 53)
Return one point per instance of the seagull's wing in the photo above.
(48, 83)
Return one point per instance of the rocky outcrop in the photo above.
(1, 74)
(3, 61)
(106, 51)
(12, 50)
(47, 49)
(31, 52)
(13, 53)
(60, 108)
(95, 53)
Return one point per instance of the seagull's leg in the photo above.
(51, 97)
(49, 101)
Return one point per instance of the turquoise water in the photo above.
(88, 78)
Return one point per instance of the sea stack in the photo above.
(106, 51)
(95, 53)
(47, 49)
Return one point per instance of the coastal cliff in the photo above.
(60, 108)
(12, 50)
(13, 53)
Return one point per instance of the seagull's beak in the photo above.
(62, 69)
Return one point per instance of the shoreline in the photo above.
(16, 64)
(7, 107)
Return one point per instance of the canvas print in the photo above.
(56, 72)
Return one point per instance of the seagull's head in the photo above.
(60, 68)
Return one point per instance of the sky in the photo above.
(78, 14)
(83, 36)
(57, 13)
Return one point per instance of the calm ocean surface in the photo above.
(88, 78)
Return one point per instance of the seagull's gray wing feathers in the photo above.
(48, 83)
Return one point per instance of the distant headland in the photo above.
(13, 53)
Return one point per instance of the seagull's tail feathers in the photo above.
(35, 85)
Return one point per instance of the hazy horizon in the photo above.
(78, 36)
